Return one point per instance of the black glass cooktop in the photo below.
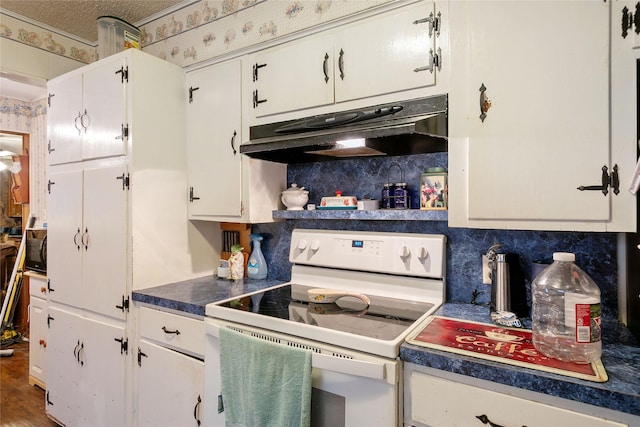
(384, 318)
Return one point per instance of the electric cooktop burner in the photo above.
(384, 318)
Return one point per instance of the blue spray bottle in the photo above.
(257, 266)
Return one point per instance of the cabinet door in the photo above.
(436, 402)
(63, 373)
(102, 386)
(64, 119)
(170, 388)
(294, 76)
(64, 238)
(386, 54)
(104, 107)
(37, 338)
(105, 236)
(214, 136)
(546, 132)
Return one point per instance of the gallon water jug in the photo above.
(257, 266)
(566, 312)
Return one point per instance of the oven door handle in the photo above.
(359, 368)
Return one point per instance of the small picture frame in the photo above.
(434, 190)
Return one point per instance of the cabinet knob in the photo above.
(43, 343)
(43, 290)
(485, 102)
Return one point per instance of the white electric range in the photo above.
(396, 281)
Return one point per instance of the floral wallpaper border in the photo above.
(202, 30)
(19, 108)
(211, 28)
(45, 39)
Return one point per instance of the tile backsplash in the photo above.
(595, 252)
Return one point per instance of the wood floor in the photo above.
(21, 405)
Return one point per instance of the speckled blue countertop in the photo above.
(192, 296)
(620, 357)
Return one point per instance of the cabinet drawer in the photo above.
(37, 286)
(439, 402)
(172, 330)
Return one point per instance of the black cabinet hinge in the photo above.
(191, 90)
(124, 74)
(49, 319)
(124, 345)
(256, 68)
(607, 180)
(256, 100)
(126, 181)
(192, 197)
(49, 184)
(51, 95)
(140, 356)
(630, 19)
(125, 304)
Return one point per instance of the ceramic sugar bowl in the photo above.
(294, 197)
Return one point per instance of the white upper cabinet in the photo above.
(387, 52)
(225, 185)
(625, 106)
(529, 117)
(214, 133)
(88, 231)
(293, 76)
(86, 114)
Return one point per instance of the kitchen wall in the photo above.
(595, 252)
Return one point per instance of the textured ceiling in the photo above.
(78, 17)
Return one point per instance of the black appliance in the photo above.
(36, 250)
(409, 127)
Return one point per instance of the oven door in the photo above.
(349, 388)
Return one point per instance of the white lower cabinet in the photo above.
(448, 402)
(37, 329)
(87, 388)
(170, 370)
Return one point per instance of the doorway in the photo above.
(14, 210)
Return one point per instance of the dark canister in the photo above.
(401, 196)
(387, 196)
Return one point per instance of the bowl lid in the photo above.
(294, 189)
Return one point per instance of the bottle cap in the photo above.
(564, 256)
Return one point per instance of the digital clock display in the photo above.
(357, 243)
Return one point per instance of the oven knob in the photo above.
(302, 244)
(315, 245)
(423, 253)
(404, 251)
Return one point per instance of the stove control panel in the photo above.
(408, 254)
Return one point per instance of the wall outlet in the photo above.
(486, 271)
